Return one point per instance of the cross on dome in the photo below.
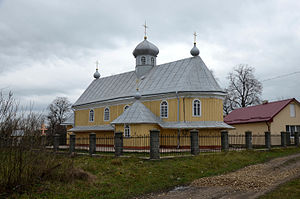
(145, 31)
(195, 51)
(97, 64)
(195, 37)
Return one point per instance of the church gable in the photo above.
(135, 114)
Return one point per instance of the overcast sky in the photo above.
(49, 48)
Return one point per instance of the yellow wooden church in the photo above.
(174, 97)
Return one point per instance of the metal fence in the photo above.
(137, 144)
(171, 145)
(237, 142)
(174, 145)
(105, 144)
(209, 143)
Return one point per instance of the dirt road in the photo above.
(249, 182)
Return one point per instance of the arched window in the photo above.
(106, 114)
(126, 107)
(152, 61)
(164, 109)
(91, 116)
(126, 130)
(143, 60)
(197, 108)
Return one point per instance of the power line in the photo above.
(280, 76)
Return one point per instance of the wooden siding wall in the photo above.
(211, 110)
(137, 129)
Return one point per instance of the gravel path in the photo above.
(249, 182)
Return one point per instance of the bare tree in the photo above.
(58, 112)
(24, 158)
(243, 90)
(8, 114)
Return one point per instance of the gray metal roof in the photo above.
(69, 120)
(194, 125)
(92, 128)
(190, 74)
(137, 113)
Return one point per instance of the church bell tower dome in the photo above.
(145, 48)
(145, 54)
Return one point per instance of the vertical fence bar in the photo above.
(92, 144)
(248, 139)
(283, 139)
(154, 144)
(118, 143)
(194, 142)
(72, 143)
(56, 142)
(224, 141)
(268, 140)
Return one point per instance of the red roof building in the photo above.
(275, 116)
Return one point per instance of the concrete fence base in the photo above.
(118, 139)
(224, 141)
(92, 144)
(248, 140)
(154, 144)
(194, 142)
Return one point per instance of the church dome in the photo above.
(145, 48)
(96, 74)
(195, 51)
(137, 95)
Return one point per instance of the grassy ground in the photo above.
(289, 190)
(129, 177)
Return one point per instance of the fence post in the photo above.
(296, 137)
(283, 139)
(154, 144)
(288, 138)
(72, 143)
(92, 147)
(56, 142)
(118, 143)
(224, 141)
(248, 137)
(268, 140)
(194, 142)
(43, 140)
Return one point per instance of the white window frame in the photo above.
(91, 119)
(200, 108)
(126, 130)
(125, 107)
(292, 110)
(152, 61)
(143, 60)
(167, 106)
(105, 119)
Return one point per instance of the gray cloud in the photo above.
(48, 48)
